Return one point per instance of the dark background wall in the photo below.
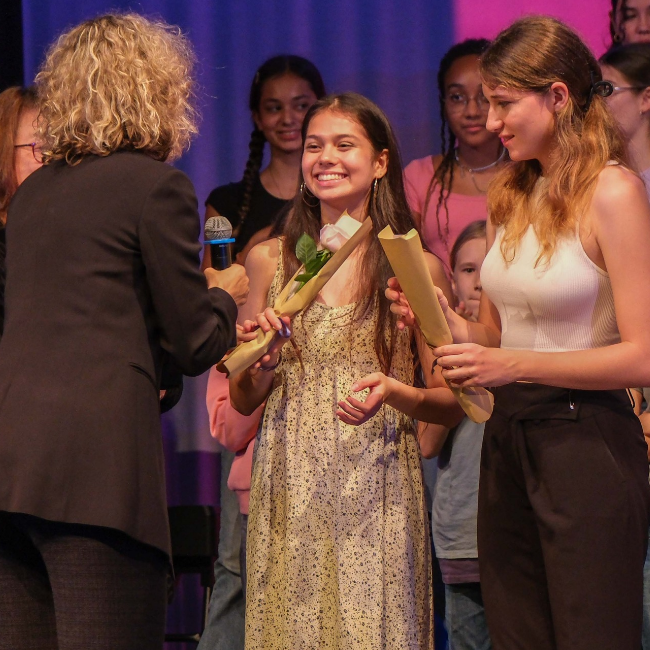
(11, 44)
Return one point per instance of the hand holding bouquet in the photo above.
(406, 257)
(317, 268)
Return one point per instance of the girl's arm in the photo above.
(249, 389)
(440, 279)
(232, 429)
(620, 226)
(435, 403)
(432, 438)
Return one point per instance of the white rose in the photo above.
(334, 235)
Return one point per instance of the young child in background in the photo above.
(455, 497)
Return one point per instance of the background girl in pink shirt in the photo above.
(447, 192)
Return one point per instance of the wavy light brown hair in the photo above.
(13, 101)
(530, 56)
(117, 82)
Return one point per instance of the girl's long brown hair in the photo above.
(530, 56)
(386, 206)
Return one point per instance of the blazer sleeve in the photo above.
(197, 325)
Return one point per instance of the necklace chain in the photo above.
(478, 170)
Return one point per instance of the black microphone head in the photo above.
(217, 228)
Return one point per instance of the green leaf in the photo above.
(305, 249)
(312, 258)
(313, 266)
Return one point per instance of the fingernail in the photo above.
(355, 387)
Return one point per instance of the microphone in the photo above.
(218, 233)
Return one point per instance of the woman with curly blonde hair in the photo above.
(103, 295)
(118, 83)
(563, 329)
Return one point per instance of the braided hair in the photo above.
(276, 66)
(444, 175)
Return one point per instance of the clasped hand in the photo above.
(467, 364)
(354, 411)
(463, 364)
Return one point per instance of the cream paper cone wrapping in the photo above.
(289, 303)
(406, 257)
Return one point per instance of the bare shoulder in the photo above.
(620, 215)
(617, 190)
(261, 264)
(262, 260)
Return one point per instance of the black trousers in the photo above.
(74, 587)
(563, 520)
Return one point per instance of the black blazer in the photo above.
(103, 282)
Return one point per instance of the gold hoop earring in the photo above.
(305, 194)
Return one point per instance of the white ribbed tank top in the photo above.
(566, 304)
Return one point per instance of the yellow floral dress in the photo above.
(338, 548)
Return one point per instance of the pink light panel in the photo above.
(590, 18)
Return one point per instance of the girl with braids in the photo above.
(629, 21)
(283, 88)
(338, 546)
(447, 192)
(562, 331)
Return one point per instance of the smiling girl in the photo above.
(338, 550)
(283, 89)
(563, 498)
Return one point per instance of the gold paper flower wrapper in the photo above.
(406, 257)
(288, 303)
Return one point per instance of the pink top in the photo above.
(463, 209)
(236, 432)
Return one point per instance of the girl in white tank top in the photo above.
(563, 327)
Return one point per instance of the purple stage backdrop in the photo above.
(386, 49)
